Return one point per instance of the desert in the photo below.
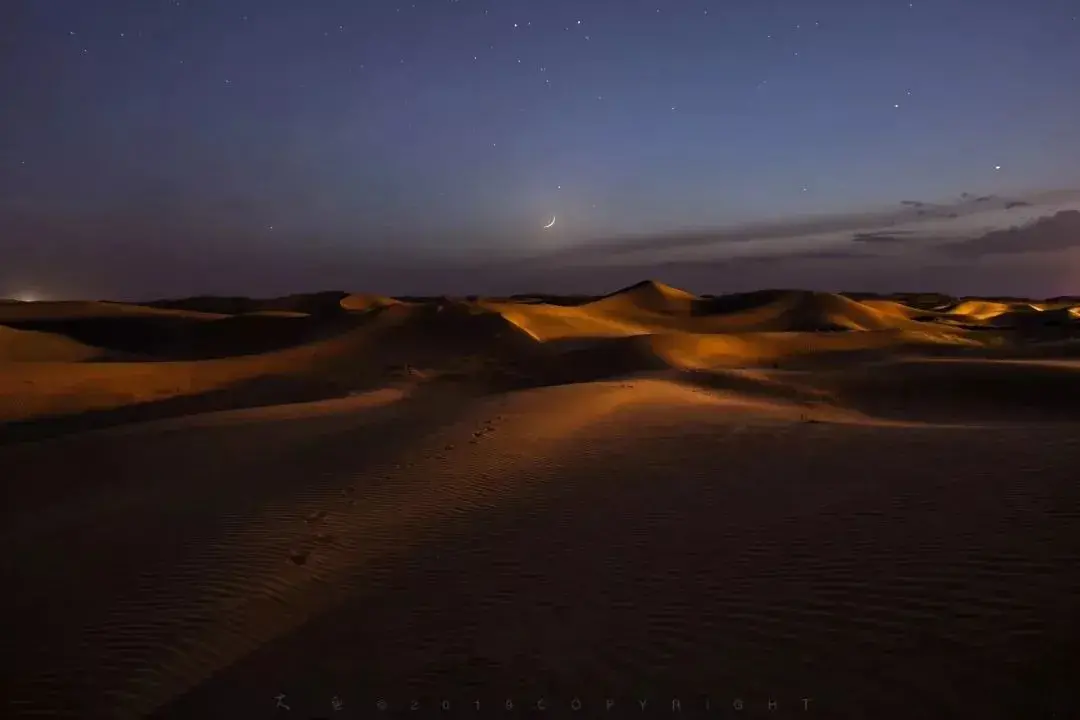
(799, 503)
(475, 359)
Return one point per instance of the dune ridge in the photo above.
(271, 351)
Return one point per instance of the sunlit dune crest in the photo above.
(365, 301)
(980, 309)
(278, 478)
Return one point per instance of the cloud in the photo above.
(835, 253)
(1060, 231)
(870, 226)
(893, 236)
(781, 230)
(832, 254)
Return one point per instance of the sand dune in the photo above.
(647, 495)
(649, 296)
(653, 308)
(119, 327)
(324, 303)
(29, 346)
(979, 309)
(365, 301)
(69, 310)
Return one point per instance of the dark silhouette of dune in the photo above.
(324, 303)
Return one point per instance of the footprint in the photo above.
(316, 516)
(299, 557)
(325, 538)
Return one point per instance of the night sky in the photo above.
(155, 148)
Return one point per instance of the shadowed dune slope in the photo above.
(804, 311)
(324, 303)
(621, 356)
(250, 334)
(161, 333)
(326, 367)
(649, 296)
(960, 390)
(75, 310)
(446, 333)
(118, 327)
(655, 308)
(30, 346)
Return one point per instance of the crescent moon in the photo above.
(550, 223)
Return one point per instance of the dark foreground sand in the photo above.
(906, 544)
